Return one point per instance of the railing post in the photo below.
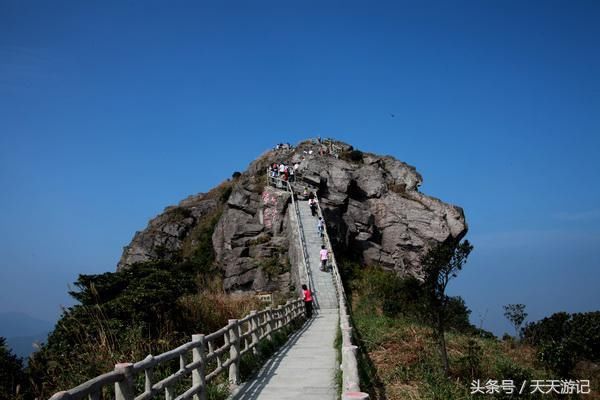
(279, 322)
(286, 313)
(198, 377)
(270, 323)
(124, 388)
(234, 352)
(148, 376)
(211, 348)
(254, 328)
(169, 393)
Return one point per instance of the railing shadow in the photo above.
(251, 389)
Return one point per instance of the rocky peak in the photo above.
(372, 206)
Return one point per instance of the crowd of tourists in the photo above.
(284, 171)
(283, 146)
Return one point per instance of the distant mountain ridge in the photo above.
(22, 330)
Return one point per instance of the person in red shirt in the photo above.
(308, 301)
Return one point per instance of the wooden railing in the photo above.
(211, 355)
(349, 366)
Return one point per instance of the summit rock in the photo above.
(372, 206)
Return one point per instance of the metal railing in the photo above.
(207, 351)
(349, 366)
(281, 183)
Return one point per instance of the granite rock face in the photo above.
(166, 234)
(372, 206)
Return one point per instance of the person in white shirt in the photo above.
(324, 256)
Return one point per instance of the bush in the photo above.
(133, 312)
(564, 339)
(508, 370)
(236, 175)
(394, 296)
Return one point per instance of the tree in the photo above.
(12, 377)
(440, 265)
(516, 314)
(562, 340)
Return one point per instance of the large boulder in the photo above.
(372, 206)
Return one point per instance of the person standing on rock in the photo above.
(308, 301)
(324, 256)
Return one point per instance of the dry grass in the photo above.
(214, 309)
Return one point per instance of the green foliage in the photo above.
(516, 314)
(440, 265)
(404, 297)
(217, 392)
(124, 316)
(273, 267)
(470, 363)
(199, 242)
(506, 369)
(564, 339)
(12, 376)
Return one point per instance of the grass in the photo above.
(400, 360)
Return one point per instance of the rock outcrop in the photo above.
(371, 203)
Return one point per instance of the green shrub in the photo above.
(12, 376)
(470, 363)
(217, 392)
(564, 339)
(508, 370)
(272, 267)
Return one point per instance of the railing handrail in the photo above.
(299, 228)
(239, 337)
(350, 377)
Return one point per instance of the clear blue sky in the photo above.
(112, 110)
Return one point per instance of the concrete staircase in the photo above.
(322, 282)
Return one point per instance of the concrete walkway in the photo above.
(304, 368)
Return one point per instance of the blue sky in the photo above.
(112, 110)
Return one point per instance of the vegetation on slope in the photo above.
(12, 377)
(399, 343)
(148, 308)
